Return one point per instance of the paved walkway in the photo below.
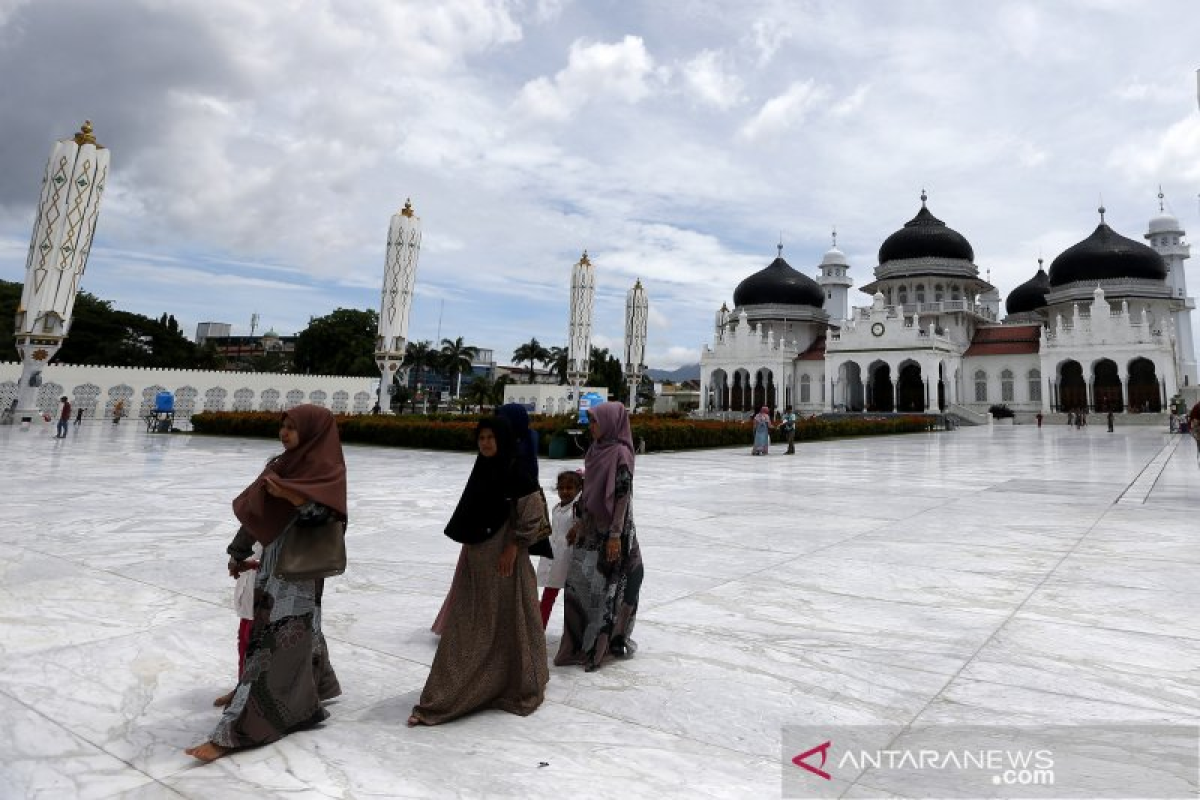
(993, 576)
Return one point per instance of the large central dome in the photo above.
(779, 284)
(1106, 254)
(925, 236)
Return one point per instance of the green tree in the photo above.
(606, 371)
(531, 351)
(559, 361)
(456, 358)
(422, 357)
(341, 343)
(480, 392)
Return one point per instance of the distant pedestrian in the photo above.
(789, 430)
(1070, 419)
(1039, 419)
(118, 411)
(1110, 422)
(78, 416)
(762, 432)
(64, 417)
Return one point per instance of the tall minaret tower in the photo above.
(835, 283)
(1166, 237)
(399, 277)
(58, 253)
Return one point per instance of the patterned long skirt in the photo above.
(287, 672)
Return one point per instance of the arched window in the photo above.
(980, 386)
(1006, 386)
(902, 295)
(920, 293)
(805, 389)
(939, 293)
(1035, 385)
(954, 293)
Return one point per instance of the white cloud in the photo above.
(785, 112)
(623, 71)
(708, 78)
(1173, 153)
(767, 36)
(851, 103)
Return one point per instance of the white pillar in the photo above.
(399, 276)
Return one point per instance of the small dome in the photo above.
(1030, 295)
(1106, 254)
(779, 284)
(1165, 223)
(833, 256)
(925, 236)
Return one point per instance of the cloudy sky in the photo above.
(259, 149)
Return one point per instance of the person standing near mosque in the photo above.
(762, 432)
(789, 430)
(492, 653)
(605, 578)
(286, 673)
(64, 417)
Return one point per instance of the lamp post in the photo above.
(58, 252)
(399, 276)
(579, 328)
(637, 309)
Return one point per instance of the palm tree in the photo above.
(531, 351)
(422, 356)
(559, 357)
(480, 392)
(456, 358)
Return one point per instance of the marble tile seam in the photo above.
(991, 637)
(1140, 488)
(149, 779)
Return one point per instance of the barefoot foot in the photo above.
(207, 752)
(414, 721)
(224, 700)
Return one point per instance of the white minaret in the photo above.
(637, 312)
(58, 252)
(835, 282)
(1166, 237)
(579, 326)
(399, 276)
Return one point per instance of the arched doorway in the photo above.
(740, 394)
(910, 388)
(941, 387)
(853, 396)
(1106, 386)
(1072, 391)
(764, 390)
(881, 391)
(718, 383)
(1144, 394)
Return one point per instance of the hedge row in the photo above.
(454, 432)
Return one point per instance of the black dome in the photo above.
(925, 236)
(779, 284)
(1106, 254)
(1030, 295)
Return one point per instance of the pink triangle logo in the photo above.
(823, 749)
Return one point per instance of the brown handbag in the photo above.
(308, 553)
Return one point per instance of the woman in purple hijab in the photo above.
(606, 571)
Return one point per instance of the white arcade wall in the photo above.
(97, 390)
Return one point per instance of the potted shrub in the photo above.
(1002, 414)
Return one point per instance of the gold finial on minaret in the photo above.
(408, 209)
(584, 259)
(85, 135)
(638, 284)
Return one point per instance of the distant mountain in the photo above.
(688, 372)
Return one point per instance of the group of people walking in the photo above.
(492, 652)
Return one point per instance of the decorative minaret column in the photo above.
(579, 327)
(1167, 237)
(637, 310)
(58, 254)
(399, 276)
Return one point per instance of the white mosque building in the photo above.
(1108, 328)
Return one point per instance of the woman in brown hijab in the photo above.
(287, 672)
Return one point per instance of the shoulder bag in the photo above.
(311, 552)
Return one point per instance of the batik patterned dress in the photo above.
(287, 671)
(601, 596)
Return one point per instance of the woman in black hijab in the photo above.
(493, 652)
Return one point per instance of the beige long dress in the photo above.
(493, 652)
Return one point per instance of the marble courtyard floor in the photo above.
(987, 576)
